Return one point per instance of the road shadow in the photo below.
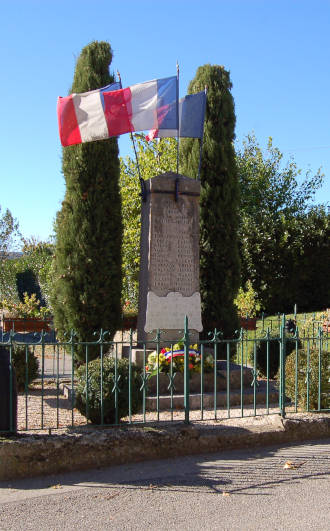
(238, 472)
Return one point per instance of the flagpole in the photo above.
(202, 138)
(142, 183)
(177, 116)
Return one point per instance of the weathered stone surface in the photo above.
(170, 310)
(165, 401)
(27, 456)
(169, 259)
(140, 356)
(208, 381)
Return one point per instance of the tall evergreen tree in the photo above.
(219, 254)
(87, 267)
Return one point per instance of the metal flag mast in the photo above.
(142, 183)
(177, 116)
(202, 138)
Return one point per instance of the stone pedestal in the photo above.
(169, 270)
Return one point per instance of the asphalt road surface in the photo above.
(277, 488)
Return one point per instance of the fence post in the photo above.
(282, 366)
(130, 376)
(11, 423)
(72, 344)
(186, 371)
(157, 375)
(12, 391)
(320, 334)
(102, 373)
(8, 390)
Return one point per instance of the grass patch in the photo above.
(308, 324)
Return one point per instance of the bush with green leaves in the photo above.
(30, 273)
(247, 302)
(25, 372)
(284, 239)
(93, 386)
(308, 364)
(273, 354)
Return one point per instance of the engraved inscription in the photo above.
(169, 255)
(174, 247)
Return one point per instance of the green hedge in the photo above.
(19, 363)
(93, 411)
(290, 380)
(273, 353)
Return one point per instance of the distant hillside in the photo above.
(11, 255)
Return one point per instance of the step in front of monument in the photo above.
(238, 376)
(166, 402)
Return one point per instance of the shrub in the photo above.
(274, 354)
(28, 308)
(310, 327)
(19, 363)
(247, 302)
(290, 378)
(94, 390)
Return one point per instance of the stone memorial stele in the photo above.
(169, 254)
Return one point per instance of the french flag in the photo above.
(111, 111)
(176, 353)
(191, 119)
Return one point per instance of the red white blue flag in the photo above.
(175, 353)
(111, 111)
(191, 119)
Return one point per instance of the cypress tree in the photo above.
(87, 266)
(219, 252)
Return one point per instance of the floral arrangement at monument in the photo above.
(175, 356)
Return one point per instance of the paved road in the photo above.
(237, 490)
(54, 361)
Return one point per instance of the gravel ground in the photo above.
(52, 407)
(51, 410)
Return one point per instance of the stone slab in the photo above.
(208, 381)
(166, 312)
(169, 255)
(138, 356)
(195, 400)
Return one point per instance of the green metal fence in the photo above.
(216, 379)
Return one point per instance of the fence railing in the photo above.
(74, 383)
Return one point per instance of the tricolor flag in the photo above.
(81, 116)
(175, 353)
(111, 111)
(191, 119)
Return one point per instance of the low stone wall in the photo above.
(235, 377)
(33, 455)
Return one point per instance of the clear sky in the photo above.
(276, 50)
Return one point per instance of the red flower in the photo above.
(147, 367)
(191, 366)
(163, 351)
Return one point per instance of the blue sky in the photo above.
(277, 52)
